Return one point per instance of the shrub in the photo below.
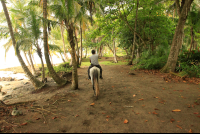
(189, 63)
(153, 61)
(63, 67)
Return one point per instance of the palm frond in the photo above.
(7, 46)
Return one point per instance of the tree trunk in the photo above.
(90, 9)
(32, 65)
(51, 58)
(34, 60)
(81, 44)
(63, 40)
(134, 40)
(43, 71)
(36, 83)
(27, 60)
(85, 52)
(114, 51)
(178, 37)
(138, 53)
(52, 72)
(126, 51)
(100, 50)
(70, 59)
(195, 45)
(70, 28)
(62, 58)
(77, 52)
(39, 52)
(192, 39)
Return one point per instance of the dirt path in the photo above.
(145, 100)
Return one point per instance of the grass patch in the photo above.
(111, 63)
(85, 64)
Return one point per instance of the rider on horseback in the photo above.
(94, 62)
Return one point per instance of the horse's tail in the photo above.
(95, 82)
(95, 75)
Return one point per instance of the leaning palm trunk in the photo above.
(27, 59)
(40, 55)
(34, 60)
(52, 72)
(43, 71)
(32, 66)
(36, 83)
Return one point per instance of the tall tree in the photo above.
(183, 10)
(52, 72)
(37, 84)
(67, 11)
(134, 38)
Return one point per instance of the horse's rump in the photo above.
(94, 73)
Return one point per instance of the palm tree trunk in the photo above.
(90, 9)
(32, 66)
(62, 58)
(34, 60)
(77, 54)
(43, 71)
(70, 29)
(62, 31)
(36, 83)
(52, 72)
(51, 58)
(39, 52)
(27, 59)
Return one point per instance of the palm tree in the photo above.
(63, 39)
(37, 84)
(52, 72)
(82, 21)
(66, 11)
(34, 25)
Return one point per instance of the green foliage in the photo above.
(189, 62)
(63, 67)
(153, 61)
(192, 71)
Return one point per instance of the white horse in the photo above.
(95, 76)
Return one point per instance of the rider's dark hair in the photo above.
(93, 51)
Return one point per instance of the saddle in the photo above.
(94, 65)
